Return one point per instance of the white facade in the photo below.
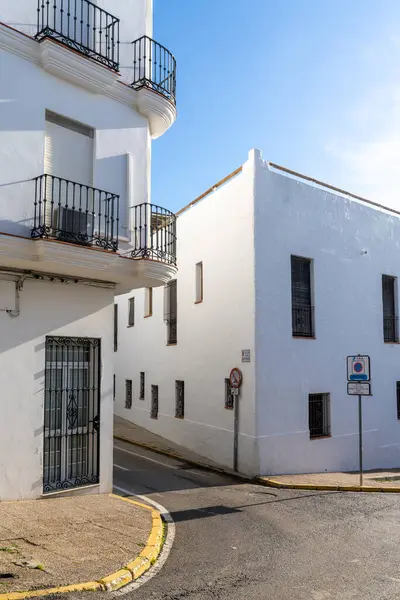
(75, 164)
(245, 233)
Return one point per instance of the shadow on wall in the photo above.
(46, 307)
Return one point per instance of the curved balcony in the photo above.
(81, 26)
(154, 78)
(154, 233)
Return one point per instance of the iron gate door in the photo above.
(71, 413)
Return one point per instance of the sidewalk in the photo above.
(60, 541)
(129, 432)
(379, 479)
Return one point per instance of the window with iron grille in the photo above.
(131, 312)
(115, 327)
(179, 399)
(319, 417)
(114, 388)
(154, 402)
(170, 311)
(302, 309)
(398, 399)
(128, 393)
(229, 399)
(390, 319)
(141, 388)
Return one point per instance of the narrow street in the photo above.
(237, 541)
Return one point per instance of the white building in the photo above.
(298, 274)
(76, 226)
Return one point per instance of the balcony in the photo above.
(81, 26)
(154, 68)
(71, 212)
(154, 233)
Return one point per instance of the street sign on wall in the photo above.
(358, 368)
(359, 388)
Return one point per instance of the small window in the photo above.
(179, 399)
(154, 402)
(319, 417)
(398, 399)
(199, 283)
(148, 302)
(141, 388)
(115, 327)
(302, 309)
(131, 312)
(128, 393)
(390, 319)
(170, 311)
(229, 399)
(114, 388)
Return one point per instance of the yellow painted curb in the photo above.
(129, 572)
(326, 488)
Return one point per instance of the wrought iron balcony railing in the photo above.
(75, 213)
(154, 67)
(390, 328)
(303, 321)
(154, 233)
(82, 26)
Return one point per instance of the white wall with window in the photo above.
(302, 276)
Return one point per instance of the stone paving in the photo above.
(61, 541)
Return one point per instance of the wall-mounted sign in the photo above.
(245, 355)
(235, 378)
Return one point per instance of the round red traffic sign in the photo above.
(235, 378)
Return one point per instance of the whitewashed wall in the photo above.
(352, 244)
(47, 309)
(120, 131)
(219, 232)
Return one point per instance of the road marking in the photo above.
(119, 467)
(147, 458)
(169, 540)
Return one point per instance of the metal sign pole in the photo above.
(236, 433)
(360, 427)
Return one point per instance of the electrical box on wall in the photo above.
(7, 295)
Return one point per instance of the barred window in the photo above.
(229, 398)
(128, 393)
(390, 319)
(141, 388)
(179, 399)
(302, 309)
(398, 399)
(319, 417)
(114, 384)
(170, 311)
(154, 402)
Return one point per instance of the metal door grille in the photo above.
(319, 415)
(71, 413)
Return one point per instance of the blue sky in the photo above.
(315, 84)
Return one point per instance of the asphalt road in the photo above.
(237, 540)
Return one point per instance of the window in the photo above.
(302, 309)
(170, 311)
(199, 283)
(128, 393)
(148, 302)
(141, 389)
(390, 319)
(114, 388)
(319, 417)
(115, 327)
(229, 399)
(179, 399)
(154, 402)
(131, 312)
(398, 399)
